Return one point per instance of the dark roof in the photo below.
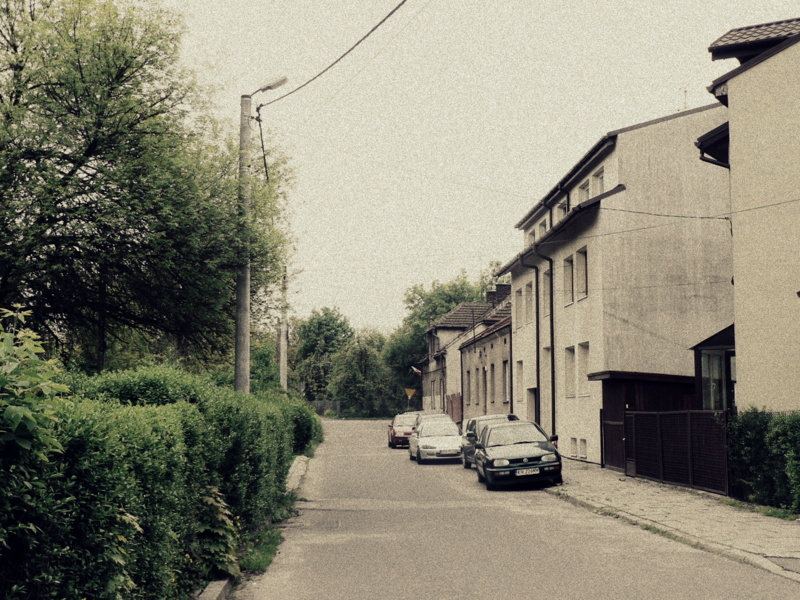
(463, 316)
(499, 326)
(722, 339)
(746, 42)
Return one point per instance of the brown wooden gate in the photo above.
(678, 447)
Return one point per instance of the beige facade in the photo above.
(486, 371)
(763, 99)
(626, 264)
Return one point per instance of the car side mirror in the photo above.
(478, 446)
(471, 436)
(554, 438)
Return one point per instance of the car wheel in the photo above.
(419, 458)
(558, 480)
(464, 460)
(480, 477)
(489, 485)
(391, 445)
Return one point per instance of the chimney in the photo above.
(500, 293)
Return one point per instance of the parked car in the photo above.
(400, 429)
(435, 440)
(423, 416)
(473, 430)
(516, 452)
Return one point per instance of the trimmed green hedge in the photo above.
(764, 458)
(160, 474)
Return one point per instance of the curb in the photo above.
(221, 588)
(740, 556)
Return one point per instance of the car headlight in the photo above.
(548, 458)
(500, 462)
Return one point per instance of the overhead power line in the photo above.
(330, 66)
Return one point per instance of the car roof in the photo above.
(497, 417)
(501, 424)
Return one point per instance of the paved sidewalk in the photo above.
(691, 516)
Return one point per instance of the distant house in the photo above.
(441, 367)
(759, 144)
(626, 264)
(486, 365)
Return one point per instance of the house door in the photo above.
(612, 424)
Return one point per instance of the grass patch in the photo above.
(767, 511)
(258, 554)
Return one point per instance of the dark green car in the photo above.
(516, 452)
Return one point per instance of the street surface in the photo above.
(374, 524)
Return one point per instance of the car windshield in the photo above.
(439, 428)
(405, 420)
(519, 434)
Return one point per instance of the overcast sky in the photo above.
(418, 153)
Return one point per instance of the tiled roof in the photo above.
(463, 316)
(765, 32)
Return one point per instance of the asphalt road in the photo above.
(374, 524)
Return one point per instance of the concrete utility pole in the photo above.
(283, 342)
(241, 378)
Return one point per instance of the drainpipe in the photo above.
(538, 340)
(552, 341)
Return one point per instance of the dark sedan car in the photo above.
(516, 452)
(473, 430)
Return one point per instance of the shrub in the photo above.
(764, 458)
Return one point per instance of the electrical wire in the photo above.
(334, 63)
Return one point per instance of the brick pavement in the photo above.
(690, 516)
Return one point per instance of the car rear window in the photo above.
(438, 428)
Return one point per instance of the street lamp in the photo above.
(241, 379)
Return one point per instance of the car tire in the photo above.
(391, 445)
(480, 477)
(419, 458)
(410, 456)
(558, 480)
(464, 460)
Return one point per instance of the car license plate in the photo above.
(448, 452)
(527, 472)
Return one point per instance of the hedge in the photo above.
(160, 473)
(764, 458)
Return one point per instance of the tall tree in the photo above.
(406, 345)
(116, 216)
(361, 381)
(321, 336)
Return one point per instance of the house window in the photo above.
(543, 227)
(468, 391)
(582, 273)
(531, 237)
(563, 207)
(582, 448)
(598, 180)
(505, 381)
(529, 303)
(583, 191)
(492, 383)
(485, 386)
(518, 307)
(546, 293)
(519, 379)
(573, 447)
(569, 372)
(569, 281)
(477, 386)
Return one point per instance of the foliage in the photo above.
(406, 346)
(120, 222)
(360, 380)
(261, 550)
(161, 473)
(320, 337)
(764, 458)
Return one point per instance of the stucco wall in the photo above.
(764, 112)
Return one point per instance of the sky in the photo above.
(417, 154)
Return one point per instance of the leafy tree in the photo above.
(320, 337)
(361, 381)
(119, 220)
(406, 345)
